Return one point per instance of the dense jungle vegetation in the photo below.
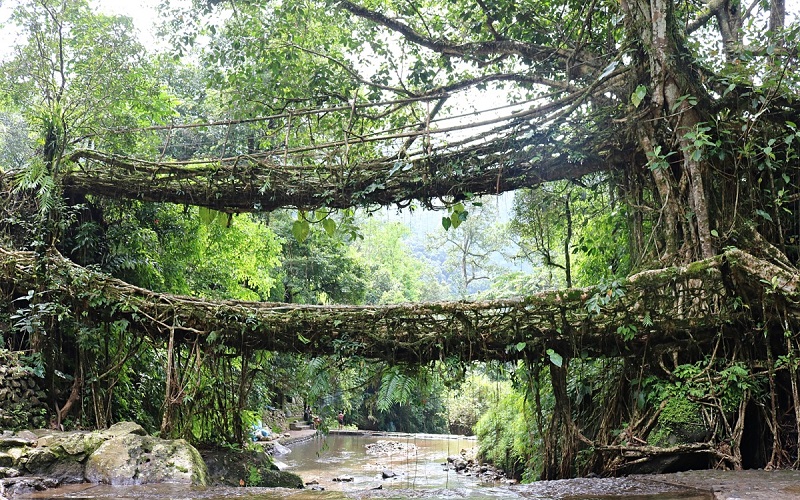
(651, 147)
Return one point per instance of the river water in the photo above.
(418, 462)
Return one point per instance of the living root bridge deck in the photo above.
(652, 311)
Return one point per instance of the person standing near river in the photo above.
(340, 418)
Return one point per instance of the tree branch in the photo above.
(465, 50)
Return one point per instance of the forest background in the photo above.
(79, 82)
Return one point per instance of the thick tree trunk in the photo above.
(669, 135)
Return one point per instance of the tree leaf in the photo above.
(446, 223)
(300, 230)
(555, 358)
(638, 95)
(764, 215)
(521, 345)
(207, 215)
(329, 225)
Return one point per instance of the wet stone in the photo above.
(9, 472)
(384, 447)
(15, 441)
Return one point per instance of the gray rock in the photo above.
(38, 460)
(12, 487)
(388, 474)
(123, 428)
(9, 472)
(280, 479)
(14, 441)
(279, 449)
(28, 435)
(74, 445)
(343, 479)
(134, 459)
(6, 460)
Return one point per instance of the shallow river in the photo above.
(420, 469)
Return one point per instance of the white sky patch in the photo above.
(144, 14)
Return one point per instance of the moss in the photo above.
(680, 422)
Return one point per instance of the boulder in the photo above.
(279, 449)
(9, 440)
(123, 428)
(12, 487)
(60, 467)
(134, 459)
(280, 479)
(9, 472)
(75, 445)
(228, 467)
(38, 460)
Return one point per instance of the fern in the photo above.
(396, 387)
(36, 178)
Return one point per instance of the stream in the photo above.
(418, 462)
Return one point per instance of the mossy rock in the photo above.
(680, 422)
(74, 445)
(231, 467)
(133, 459)
(280, 479)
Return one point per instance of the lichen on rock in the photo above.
(134, 459)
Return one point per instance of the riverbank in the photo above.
(737, 485)
(694, 485)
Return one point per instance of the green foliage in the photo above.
(506, 437)
(458, 214)
(556, 216)
(166, 248)
(253, 476)
(16, 141)
(473, 252)
(658, 161)
(467, 402)
(393, 274)
(605, 294)
(709, 386)
(395, 387)
(81, 71)
(318, 269)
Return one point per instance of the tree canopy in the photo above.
(676, 105)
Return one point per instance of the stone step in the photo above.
(299, 426)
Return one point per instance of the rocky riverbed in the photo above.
(123, 462)
(125, 455)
